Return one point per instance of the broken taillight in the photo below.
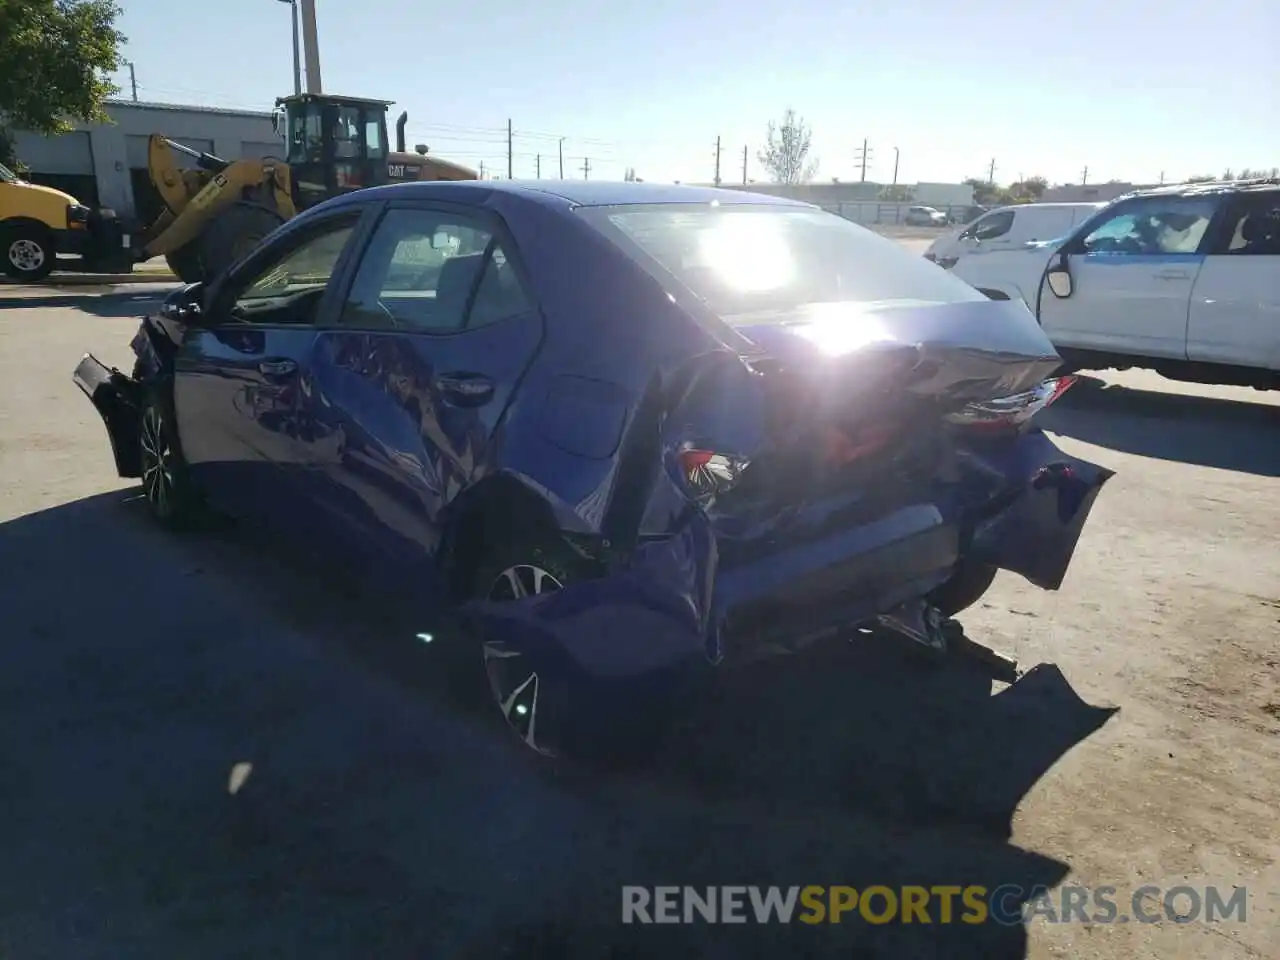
(708, 473)
(1011, 412)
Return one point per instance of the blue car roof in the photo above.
(587, 193)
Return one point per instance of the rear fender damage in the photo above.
(667, 602)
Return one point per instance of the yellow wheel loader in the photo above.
(219, 210)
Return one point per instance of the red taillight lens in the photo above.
(708, 473)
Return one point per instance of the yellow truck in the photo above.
(39, 223)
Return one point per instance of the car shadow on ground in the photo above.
(1206, 431)
(131, 303)
(387, 814)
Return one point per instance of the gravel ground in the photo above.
(386, 815)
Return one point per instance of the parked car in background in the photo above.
(924, 217)
(1182, 279)
(1008, 227)
(38, 223)
(627, 430)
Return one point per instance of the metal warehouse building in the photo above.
(106, 164)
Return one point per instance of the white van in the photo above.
(1008, 227)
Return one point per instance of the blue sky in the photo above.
(1130, 88)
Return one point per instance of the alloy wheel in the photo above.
(27, 255)
(514, 681)
(157, 462)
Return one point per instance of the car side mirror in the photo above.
(1058, 278)
(184, 305)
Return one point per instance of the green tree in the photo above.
(989, 194)
(786, 153)
(1029, 190)
(56, 57)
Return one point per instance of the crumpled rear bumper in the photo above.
(673, 604)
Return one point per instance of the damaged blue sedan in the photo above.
(628, 430)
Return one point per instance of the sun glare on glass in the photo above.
(748, 252)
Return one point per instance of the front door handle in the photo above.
(278, 368)
(465, 389)
(1172, 275)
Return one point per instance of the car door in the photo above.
(1132, 270)
(241, 373)
(414, 373)
(986, 234)
(1235, 304)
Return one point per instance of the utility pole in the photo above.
(562, 158)
(1084, 175)
(509, 177)
(1162, 177)
(717, 181)
(586, 167)
(311, 45)
(537, 167)
(481, 169)
(991, 173)
(133, 80)
(744, 166)
(863, 156)
(896, 156)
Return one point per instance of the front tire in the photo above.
(166, 483)
(28, 252)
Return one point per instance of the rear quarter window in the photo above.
(745, 258)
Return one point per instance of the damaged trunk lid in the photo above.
(846, 399)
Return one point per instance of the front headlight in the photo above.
(77, 213)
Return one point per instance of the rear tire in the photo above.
(233, 234)
(556, 710)
(27, 252)
(970, 581)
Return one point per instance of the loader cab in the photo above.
(333, 145)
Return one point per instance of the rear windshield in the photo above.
(745, 259)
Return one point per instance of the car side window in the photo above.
(1153, 225)
(288, 288)
(433, 272)
(991, 226)
(1254, 225)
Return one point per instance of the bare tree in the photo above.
(786, 154)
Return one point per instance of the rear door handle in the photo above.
(465, 389)
(1172, 275)
(278, 368)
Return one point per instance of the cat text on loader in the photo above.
(219, 210)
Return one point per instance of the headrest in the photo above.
(457, 276)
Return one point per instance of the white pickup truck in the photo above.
(1184, 280)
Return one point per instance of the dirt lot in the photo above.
(386, 816)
